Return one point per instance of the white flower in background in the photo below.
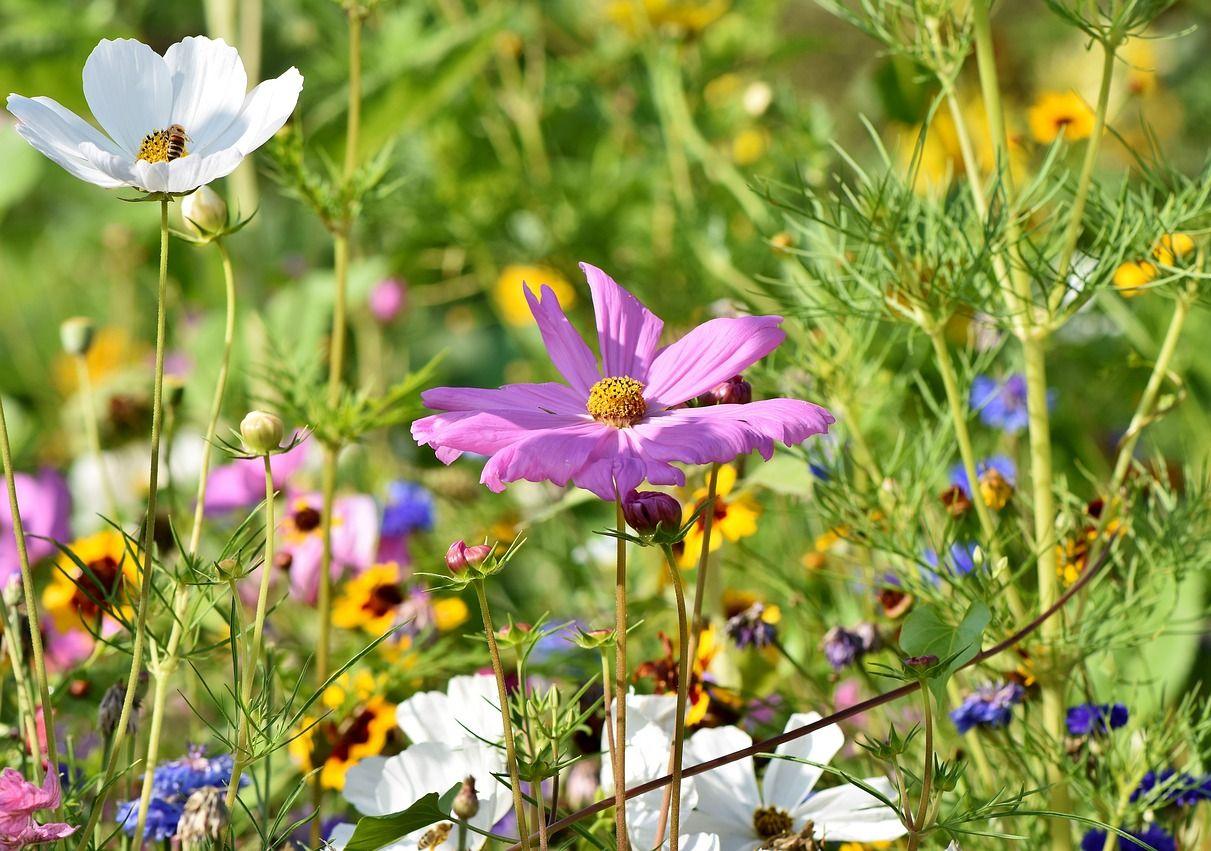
(379, 786)
(744, 817)
(123, 474)
(467, 711)
(145, 102)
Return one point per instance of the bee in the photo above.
(436, 837)
(176, 142)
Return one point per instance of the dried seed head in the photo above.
(204, 818)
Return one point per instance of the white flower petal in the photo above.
(435, 716)
(185, 174)
(129, 91)
(264, 112)
(208, 87)
(362, 782)
(58, 133)
(849, 814)
(730, 791)
(787, 783)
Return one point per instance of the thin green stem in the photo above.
(31, 605)
(704, 558)
(540, 814)
(149, 522)
(519, 804)
(25, 690)
(165, 669)
(919, 822)
(620, 682)
(92, 433)
(243, 749)
(673, 791)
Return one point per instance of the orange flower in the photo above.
(1060, 112)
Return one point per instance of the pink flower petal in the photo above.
(721, 433)
(627, 332)
(709, 355)
(567, 349)
(621, 464)
(486, 433)
(550, 396)
(553, 455)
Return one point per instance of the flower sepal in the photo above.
(234, 225)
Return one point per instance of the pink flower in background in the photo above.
(388, 299)
(45, 505)
(619, 421)
(241, 484)
(19, 800)
(301, 547)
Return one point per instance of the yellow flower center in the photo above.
(158, 144)
(771, 821)
(617, 401)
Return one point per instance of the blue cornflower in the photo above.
(988, 706)
(1001, 404)
(961, 559)
(409, 509)
(162, 818)
(1182, 790)
(182, 776)
(1096, 718)
(1003, 464)
(1155, 835)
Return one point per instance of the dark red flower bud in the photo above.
(459, 557)
(734, 391)
(650, 512)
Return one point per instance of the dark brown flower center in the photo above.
(383, 599)
(306, 519)
(771, 821)
(95, 586)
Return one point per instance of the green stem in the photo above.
(919, 822)
(519, 804)
(673, 791)
(704, 557)
(144, 603)
(92, 433)
(620, 682)
(25, 690)
(164, 671)
(31, 604)
(243, 750)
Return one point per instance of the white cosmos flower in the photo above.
(136, 95)
(467, 711)
(379, 786)
(744, 816)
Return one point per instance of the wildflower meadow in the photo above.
(713, 425)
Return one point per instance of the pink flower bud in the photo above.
(649, 512)
(734, 391)
(388, 300)
(459, 557)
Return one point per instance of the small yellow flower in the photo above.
(369, 600)
(684, 16)
(995, 489)
(510, 297)
(1060, 112)
(1171, 247)
(734, 518)
(449, 613)
(749, 146)
(75, 598)
(1131, 278)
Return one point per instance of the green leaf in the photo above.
(373, 832)
(926, 634)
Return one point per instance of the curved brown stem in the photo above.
(768, 745)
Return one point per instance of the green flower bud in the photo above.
(205, 212)
(262, 432)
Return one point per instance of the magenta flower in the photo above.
(19, 800)
(301, 547)
(621, 420)
(45, 511)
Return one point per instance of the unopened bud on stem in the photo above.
(205, 212)
(459, 557)
(262, 432)
(649, 512)
(76, 335)
(466, 802)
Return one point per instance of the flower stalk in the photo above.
(683, 686)
(918, 822)
(620, 681)
(519, 804)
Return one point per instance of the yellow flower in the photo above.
(1131, 278)
(734, 519)
(1171, 247)
(340, 746)
(941, 156)
(510, 296)
(112, 349)
(686, 16)
(449, 613)
(1060, 112)
(74, 597)
(995, 489)
(749, 146)
(370, 600)
(859, 846)
(363, 684)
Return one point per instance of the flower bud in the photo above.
(466, 802)
(262, 432)
(76, 335)
(734, 391)
(649, 512)
(205, 212)
(229, 569)
(459, 557)
(110, 709)
(388, 300)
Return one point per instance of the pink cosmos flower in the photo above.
(301, 547)
(45, 513)
(241, 484)
(19, 800)
(619, 420)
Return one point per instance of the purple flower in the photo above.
(1096, 719)
(649, 512)
(1003, 464)
(988, 706)
(19, 800)
(1182, 790)
(45, 506)
(754, 627)
(241, 484)
(961, 558)
(409, 509)
(1001, 404)
(1155, 835)
(162, 818)
(616, 424)
(843, 647)
(388, 299)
